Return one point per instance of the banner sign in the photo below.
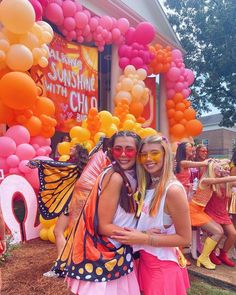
(70, 80)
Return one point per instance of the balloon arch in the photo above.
(24, 40)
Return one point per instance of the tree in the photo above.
(206, 29)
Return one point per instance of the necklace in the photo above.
(155, 179)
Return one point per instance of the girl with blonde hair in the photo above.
(161, 201)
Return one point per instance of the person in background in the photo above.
(161, 201)
(201, 155)
(232, 202)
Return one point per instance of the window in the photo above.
(205, 142)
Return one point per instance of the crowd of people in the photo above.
(128, 237)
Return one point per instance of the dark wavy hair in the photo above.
(233, 159)
(126, 199)
(180, 155)
(80, 157)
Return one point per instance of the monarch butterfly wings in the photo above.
(57, 181)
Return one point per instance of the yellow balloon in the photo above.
(64, 148)
(45, 26)
(19, 58)
(51, 235)
(112, 130)
(129, 70)
(80, 132)
(43, 234)
(29, 40)
(149, 132)
(89, 144)
(128, 125)
(98, 135)
(106, 119)
(84, 124)
(17, 16)
(116, 121)
(130, 117)
(47, 223)
(64, 158)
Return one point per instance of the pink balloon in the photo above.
(123, 25)
(54, 13)
(123, 62)
(122, 50)
(69, 8)
(179, 86)
(47, 149)
(115, 34)
(93, 23)
(69, 23)
(40, 140)
(4, 165)
(87, 12)
(7, 146)
(170, 93)
(13, 161)
(71, 35)
(185, 93)
(14, 171)
(86, 31)
(173, 74)
(19, 134)
(25, 151)
(145, 33)
(81, 20)
(79, 7)
(41, 152)
(129, 36)
(106, 22)
(176, 54)
(43, 3)
(37, 9)
(190, 76)
(137, 62)
(23, 167)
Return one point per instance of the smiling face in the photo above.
(124, 152)
(221, 170)
(152, 158)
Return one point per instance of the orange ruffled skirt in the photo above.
(197, 215)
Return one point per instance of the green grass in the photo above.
(199, 287)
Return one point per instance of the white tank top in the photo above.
(121, 218)
(159, 221)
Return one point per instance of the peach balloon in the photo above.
(19, 58)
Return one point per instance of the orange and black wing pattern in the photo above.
(89, 256)
(57, 181)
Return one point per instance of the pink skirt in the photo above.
(126, 285)
(161, 277)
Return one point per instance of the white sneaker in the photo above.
(50, 274)
(234, 253)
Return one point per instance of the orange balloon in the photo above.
(6, 114)
(178, 97)
(193, 127)
(44, 106)
(170, 104)
(178, 115)
(177, 130)
(180, 107)
(136, 109)
(189, 114)
(34, 125)
(18, 91)
(170, 113)
(172, 122)
(48, 133)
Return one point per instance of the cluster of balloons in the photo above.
(20, 104)
(23, 42)
(77, 23)
(131, 87)
(136, 52)
(182, 118)
(46, 233)
(178, 78)
(108, 125)
(17, 148)
(39, 6)
(162, 59)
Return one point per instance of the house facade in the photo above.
(220, 140)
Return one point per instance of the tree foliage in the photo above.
(207, 31)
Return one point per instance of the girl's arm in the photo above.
(233, 171)
(108, 203)
(177, 206)
(218, 180)
(193, 164)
